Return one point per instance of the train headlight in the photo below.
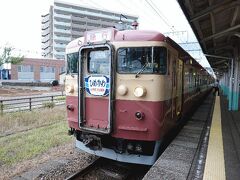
(122, 90)
(140, 91)
(69, 88)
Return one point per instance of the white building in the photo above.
(66, 22)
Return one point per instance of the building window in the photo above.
(31, 68)
(52, 69)
(62, 69)
(47, 69)
(42, 69)
(25, 68)
(20, 68)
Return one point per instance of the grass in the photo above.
(48, 104)
(60, 98)
(20, 121)
(28, 144)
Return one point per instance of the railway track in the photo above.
(103, 168)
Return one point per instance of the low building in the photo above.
(42, 70)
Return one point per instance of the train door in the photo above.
(95, 97)
(179, 83)
(174, 79)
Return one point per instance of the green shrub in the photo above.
(61, 98)
(48, 104)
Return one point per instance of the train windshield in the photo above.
(99, 61)
(72, 63)
(147, 60)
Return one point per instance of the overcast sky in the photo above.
(21, 21)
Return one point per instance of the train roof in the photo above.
(139, 35)
(112, 34)
(74, 45)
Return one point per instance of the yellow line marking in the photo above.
(215, 167)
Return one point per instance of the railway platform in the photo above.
(207, 147)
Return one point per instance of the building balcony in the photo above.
(108, 24)
(58, 56)
(88, 13)
(45, 32)
(46, 46)
(60, 53)
(62, 31)
(47, 54)
(79, 26)
(94, 21)
(45, 38)
(59, 46)
(45, 26)
(77, 33)
(61, 39)
(45, 19)
(61, 16)
(79, 19)
(62, 24)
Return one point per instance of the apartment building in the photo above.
(66, 22)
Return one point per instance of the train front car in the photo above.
(125, 95)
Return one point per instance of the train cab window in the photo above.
(144, 60)
(72, 63)
(99, 61)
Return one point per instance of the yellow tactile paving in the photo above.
(214, 167)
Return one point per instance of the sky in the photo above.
(21, 21)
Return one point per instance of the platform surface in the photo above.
(231, 140)
(222, 152)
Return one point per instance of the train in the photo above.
(126, 89)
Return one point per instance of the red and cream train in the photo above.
(126, 89)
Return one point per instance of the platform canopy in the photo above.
(216, 24)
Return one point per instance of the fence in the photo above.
(29, 103)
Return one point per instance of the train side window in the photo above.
(160, 55)
(72, 63)
(174, 71)
(168, 61)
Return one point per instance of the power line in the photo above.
(160, 15)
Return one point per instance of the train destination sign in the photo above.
(98, 36)
(97, 85)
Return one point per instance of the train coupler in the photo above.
(93, 142)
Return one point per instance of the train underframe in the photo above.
(124, 150)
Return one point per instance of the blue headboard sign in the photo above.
(97, 85)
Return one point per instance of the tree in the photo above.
(6, 56)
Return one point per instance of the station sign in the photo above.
(97, 85)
